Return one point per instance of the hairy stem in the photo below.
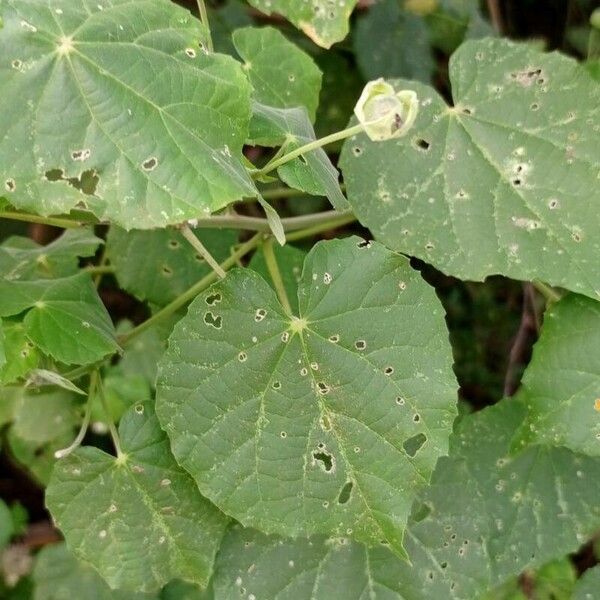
(275, 274)
(94, 379)
(334, 137)
(260, 224)
(29, 218)
(199, 247)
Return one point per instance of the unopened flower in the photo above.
(384, 113)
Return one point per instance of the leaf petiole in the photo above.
(94, 379)
(275, 274)
(188, 234)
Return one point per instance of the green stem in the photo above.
(260, 224)
(204, 19)
(275, 273)
(29, 218)
(282, 192)
(80, 371)
(334, 137)
(549, 293)
(199, 247)
(335, 221)
(114, 434)
(343, 218)
(99, 269)
(94, 379)
(192, 292)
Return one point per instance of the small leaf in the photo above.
(6, 524)
(323, 21)
(21, 354)
(273, 414)
(157, 266)
(502, 182)
(45, 416)
(21, 258)
(105, 506)
(58, 575)
(312, 173)
(282, 75)
(561, 385)
(66, 319)
(128, 116)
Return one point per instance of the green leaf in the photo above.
(45, 416)
(37, 458)
(561, 385)
(274, 220)
(157, 266)
(21, 258)
(485, 518)
(505, 181)
(290, 261)
(44, 377)
(129, 116)
(65, 317)
(108, 508)
(6, 524)
(181, 590)
(9, 397)
(588, 585)
(58, 575)
(313, 172)
(389, 41)
(20, 354)
(282, 75)
(323, 21)
(324, 422)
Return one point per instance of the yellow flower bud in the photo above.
(384, 113)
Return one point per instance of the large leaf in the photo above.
(157, 266)
(323, 21)
(281, 74)
(130, 111)
(561, 385)
(109, 508)
(65, 317)
(313, 172)
(330, 421)
(21, 258)
(505, 181)
(485, 518)
(58, 575)
(389, 41)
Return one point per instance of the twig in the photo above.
(496, 15)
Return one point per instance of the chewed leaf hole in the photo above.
(345, 492)
(422, 144)
(213, 299)
(213, 320)
(86, 183)
(150, 164)
(325, 460)
(413, 444)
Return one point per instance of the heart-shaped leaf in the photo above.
(329, 421)
(108, 508)
(504, 181)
